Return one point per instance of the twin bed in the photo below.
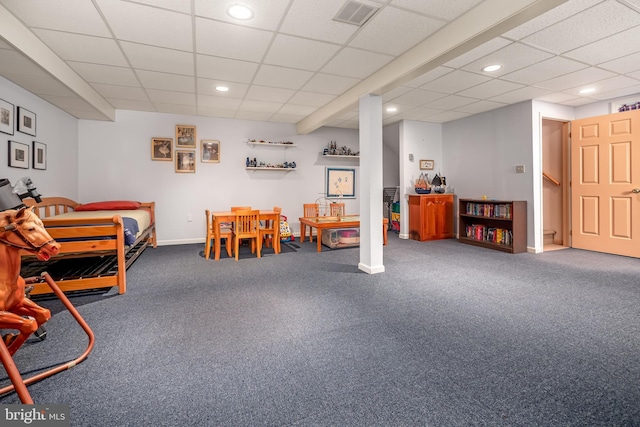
(99, 242)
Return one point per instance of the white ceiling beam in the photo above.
(33, 48)
(484, 22)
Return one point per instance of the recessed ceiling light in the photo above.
(491, 68)
(587, 90)
(392, 109)
(239, 11)
(222, 88)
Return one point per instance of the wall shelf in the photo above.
(249, 168)
(343, 156)
(271, 144)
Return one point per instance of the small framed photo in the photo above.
(185, 161)
(6, 117)
(39, 155)
(162, 149)
(26, 121)
(18, 155)
(185, 136)
(340, 182)
(210, 151)
(426, 165)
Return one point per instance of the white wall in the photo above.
(482, 152)
(55, 128)
(115, 163)
(424, 141)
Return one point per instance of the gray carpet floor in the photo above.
(449, 335)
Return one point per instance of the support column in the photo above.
(371, 206)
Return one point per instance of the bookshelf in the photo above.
(494, 224)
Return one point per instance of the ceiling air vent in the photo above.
(356, 13)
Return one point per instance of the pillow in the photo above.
(113, 205)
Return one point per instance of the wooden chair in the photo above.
(310, 210)
(337, 209)
(216, 232)
(270, 231)
(247, 226)
(238, 208)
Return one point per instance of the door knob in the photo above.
(636, 190)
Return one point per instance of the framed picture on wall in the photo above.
(426, 165)
(210, 151)
(185, 136)
(162, 149)
(185, 161)
(340, 182)
(6, 117)
(26, 121)
(18, 155)
(39, 156)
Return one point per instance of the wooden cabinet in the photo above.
(430, 216)
(494, 224)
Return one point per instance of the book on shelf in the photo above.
(491, 210)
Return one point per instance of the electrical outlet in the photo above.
(411, 157)
(520, 169)
(189, 217)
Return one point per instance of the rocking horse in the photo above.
(21, 229)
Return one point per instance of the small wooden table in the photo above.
(324, 222)
(228, 216)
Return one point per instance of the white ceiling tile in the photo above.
(272, 94)
(189, 110)
(183, 6)
(428, 77)
(312, 99)
(165, 81)
(417, 97)
(290, 108)
(310, 54)
(623, 65)
(635, 75)
(557, 97)
(148, 25)
(326, 83)
(208, 87)
(545, 70)
(443, 9)
(260, 106)
(447, 116)
(72, 16)
(557, 14)
(490, 89)
(269, 75)
(267, 14)
(617, 93)
(609, 48)
(394, 93)
(76, 47)
(480, 107)
(130, 104)
(380, 33)
(519, 95)
(216, 112)
(155, 58)
(512, 57)
(314, 19)
(356, 63)
(225, 103)
(450, 102)
(95, 73)
(420, 113)
(478, 52)
(171, 97)
(120, 92)
(570, 33)
(260, 116)
(578, 102)
(286, 118)
(247, 44)
(223, 69)
(608, 85)
(576, 78)
(455, 82)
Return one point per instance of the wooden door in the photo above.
(605, 180)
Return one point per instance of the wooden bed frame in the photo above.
(86, 242)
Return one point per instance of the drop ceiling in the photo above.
(293, 63)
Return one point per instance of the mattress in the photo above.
(142, 216)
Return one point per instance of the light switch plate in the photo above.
(520, 169)
(411, 157)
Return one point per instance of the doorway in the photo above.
(555, 161)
